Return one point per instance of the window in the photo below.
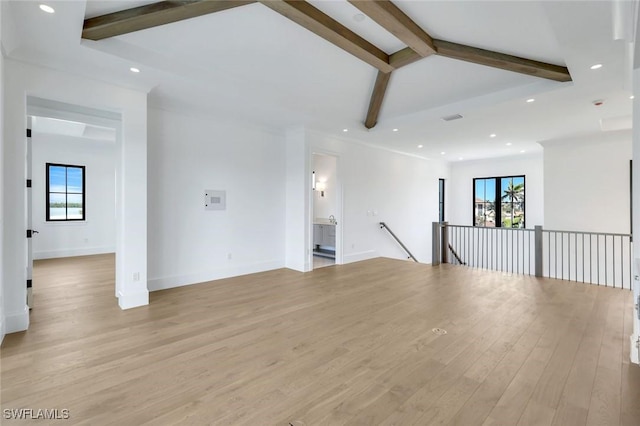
(499, 202)
(65, 192)
(441, 199)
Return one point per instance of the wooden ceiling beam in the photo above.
(152, 15)
(403, 57)
(307, 16)
(375, 104)
(394, 20)
(502, 61)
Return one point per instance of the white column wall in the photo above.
(2, 309)
(22, 80)
(635, 337)
(298, 189)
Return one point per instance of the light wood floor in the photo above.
(350, 344)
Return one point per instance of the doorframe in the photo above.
(339, 260)
(49, 108)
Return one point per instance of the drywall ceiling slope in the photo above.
(253, 64)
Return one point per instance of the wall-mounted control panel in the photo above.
(215, 199)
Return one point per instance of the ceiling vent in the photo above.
(452, 117)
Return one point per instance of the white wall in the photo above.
(188, 155)
(131, 174)
(2, 282)
(459, 207)
(382, 186)
(635, 337)
(587, 183)
(96, 234)
(325, 168)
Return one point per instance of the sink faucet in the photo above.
(332, 219)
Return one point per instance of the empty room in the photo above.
(319, 212)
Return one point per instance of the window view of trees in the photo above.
(499, 197)
(512, 202)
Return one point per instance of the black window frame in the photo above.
(498, 201)
(441, 192)
(66, 193)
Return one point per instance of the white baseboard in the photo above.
(635, 357)
(18, 321)
(133, 300)
(164, 283)
(357, 257)
(87, 251)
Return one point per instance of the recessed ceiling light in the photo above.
(395, 130)
(530, 100)
(442, 153)
(460, 158)
(631, 97)
(492, 135)
(134, 69)
(47, 8)
(596, 66)
(345, 130)
(358, 17)
(508, 144)
(523, 151)
(419, 146)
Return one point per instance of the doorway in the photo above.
(326, 205)
(71, 191)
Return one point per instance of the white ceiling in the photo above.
(252, 64)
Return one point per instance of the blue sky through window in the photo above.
(65, 179)
(74, 180)
(57, 179)
(486, 190)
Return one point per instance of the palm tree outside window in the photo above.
(499, 202)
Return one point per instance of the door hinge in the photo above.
(28, 133)
(29, 233)
(29, 283)
(28, 183)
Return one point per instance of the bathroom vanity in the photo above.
(324, 238)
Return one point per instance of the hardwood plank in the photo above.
(152, 15)
(605, 404)
(394, 20)
(575, 400)
(347, 344)
(375, 104)
(502, 61)
(319, 23)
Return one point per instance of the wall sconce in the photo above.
(321, 186)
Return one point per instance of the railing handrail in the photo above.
(456, 255)
(543, 230)
(488, 227)
(605, 260)
(611, 234)
(384, 226)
